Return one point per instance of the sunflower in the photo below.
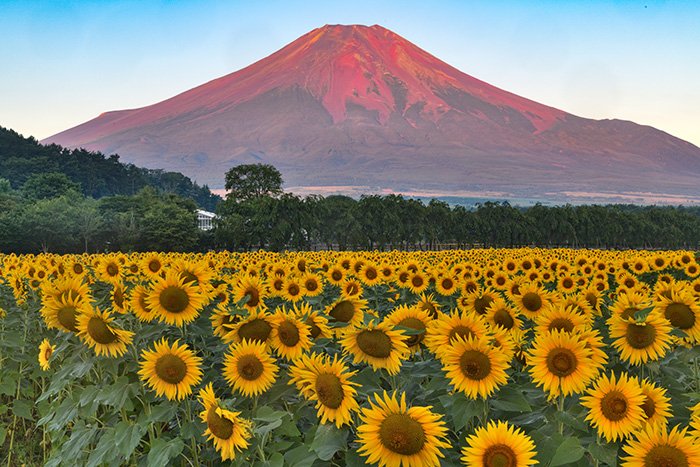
(480, 300)
(659, 447)
(615, 406)
(446, 285)
(249, 368)
(229, 431)
(562, 318)
(139, 306)
(351, 288)
(318, 324)
(640, 341)
(429, 304)
(118, 296)
(292, 291)
(109, 270)
(63, 313)
(289, 336)
(195, 273)
(418, 282)
(170, 370)
(347, 310)
(256, 327)
(656, 405)
(175, 301)
(326, 382)
(222, 321)
(474, 366)
(95, 329)
(628, 304)
(683, 311)
(560, 363)
(152, 265)
(312, 285)
(499, 444)
(369, 274)
(45, 352)
(500, 314)
(593, 342)
(335, 275)
(250, 292)
(378, 345)
(533, 299)
(394, 435)
(446, 328)
(413, 318)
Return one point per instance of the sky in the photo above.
(65, 62)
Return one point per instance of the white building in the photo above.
(205, 219)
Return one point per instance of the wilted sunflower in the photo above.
(444, 330)
(378, 345)
(249, 368)
(394, 435)
(250, 292)
(683, 311)
(656, 405)
(615, 406)
(658, 447)
(229, 431)
(45, 352)
(170, 370)
(255, 327)
(175, 301)
(640, 341)
(499, 444)
(413, 318)
(474, 366)
(95, 329)
(326, 382)
(560, 363)
(289, 335)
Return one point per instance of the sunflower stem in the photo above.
(560, 409)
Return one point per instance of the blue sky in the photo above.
(65, 62)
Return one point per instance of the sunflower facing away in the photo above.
(378, 345)
(499, 444)
(96, 330)
(659, 447)
(45, 352)
(229, 431)
(394, 435)
(175, 301)
(170, 370)
(249, 368)
(615, 406)
(326, 382)
(475, 367)
(561, 363)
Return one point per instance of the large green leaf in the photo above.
(164, 450)
(328, 440)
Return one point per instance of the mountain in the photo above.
(359, 106)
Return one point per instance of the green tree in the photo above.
(48, 185)
(249, 181)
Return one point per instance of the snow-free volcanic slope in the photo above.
(362, 106)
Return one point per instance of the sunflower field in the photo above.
(499, 357)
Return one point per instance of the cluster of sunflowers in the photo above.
(424, 357)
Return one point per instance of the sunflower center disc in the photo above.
(561, 362)
(430, 308)
(337, 275)
(447, 284)
(329, 390)
(649, 407)
(343, 311)
(561, 324)
(174, 299)
(311, 285)
(293, 290)
(567, 283)
(257, 330)
(100, 332)
(253, 297)
(475, 365)
(144, 305)
(66, 316)
(481, 303)
(413, 323)
(503, 318)
(250, 367)
(461, 331)
(219, 426)
(532, 301)
(154, 265)
(288, 334)
(371, 274)
(314, 329)
(614, 406)
(500, 455)
(680, 315)
(640, 336)
(402, 434)
(375, 343)
(112, 270)
(188, 277)
(665, 456)
(171, 368)
(119, 297)
(417, 281)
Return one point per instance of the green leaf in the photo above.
(275, 460)
(606, 453)
(510, 400)
(568, 452)
(328, 440)
(22, 408)
(271, 418)
(163, 450)
(127, 437)
(81, 437)
(300, 457)
(162, 413)
(8, 386)
(3, 434)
